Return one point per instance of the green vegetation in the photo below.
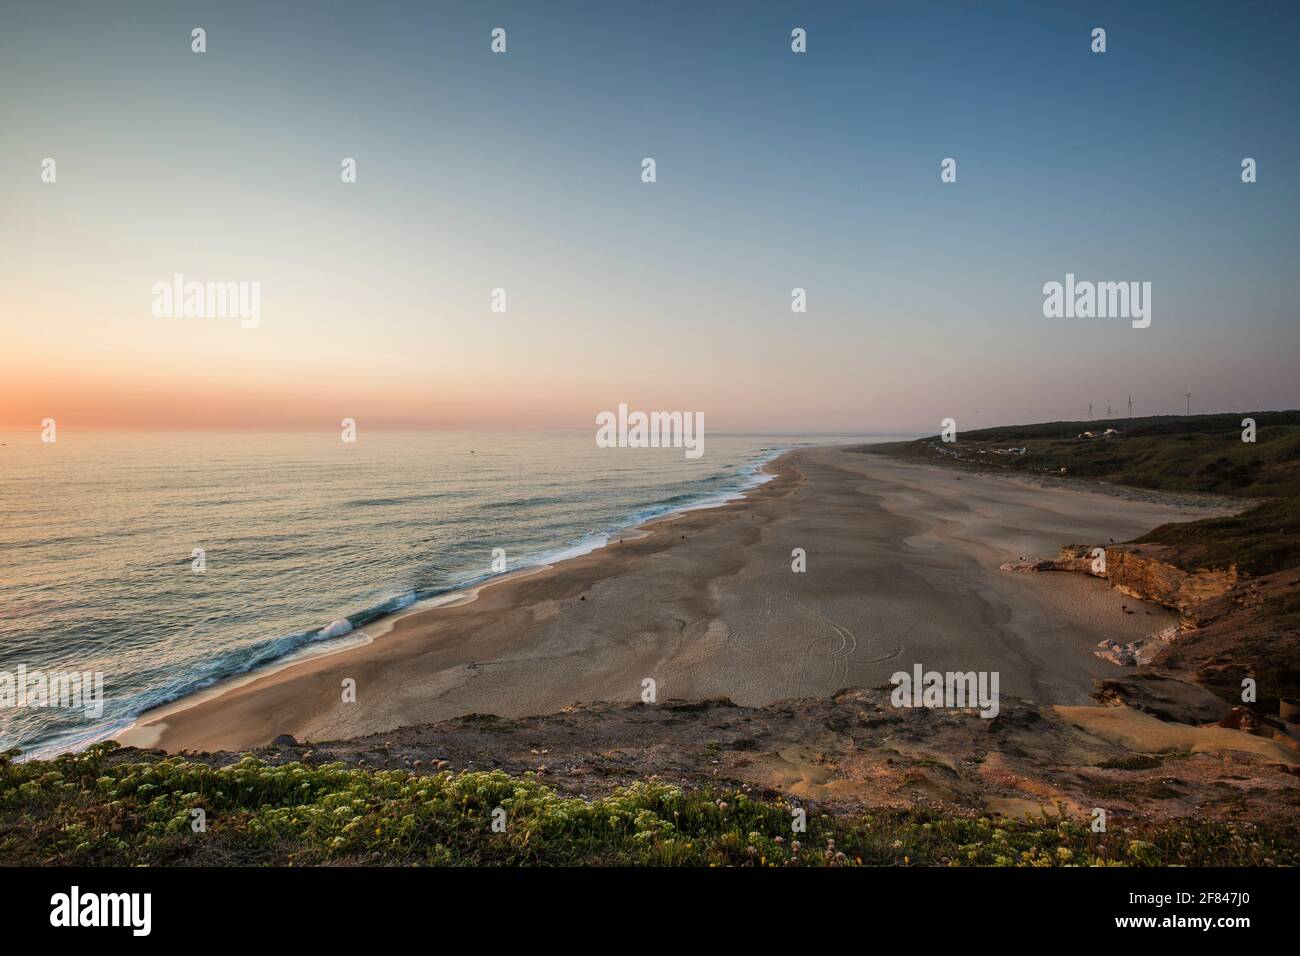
(98, 808)
(1259, 541)
(1202, 453)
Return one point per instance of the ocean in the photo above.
(169, 561)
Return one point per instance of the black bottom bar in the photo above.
(332, 905)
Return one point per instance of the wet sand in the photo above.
(902, 568)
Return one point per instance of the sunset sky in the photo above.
(522, 171)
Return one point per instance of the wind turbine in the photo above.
(1188, 396)
(1130, 406)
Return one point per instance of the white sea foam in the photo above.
(298, 540)
(334, 629)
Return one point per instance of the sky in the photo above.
(523, 171)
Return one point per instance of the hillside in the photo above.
(1196, 453)
(1251, 629)
(689, 783)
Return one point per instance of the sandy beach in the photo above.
(902, 568)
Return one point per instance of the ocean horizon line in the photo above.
(341, 631)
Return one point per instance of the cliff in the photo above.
(1145, 572)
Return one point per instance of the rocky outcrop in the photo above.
(1143, 571)
(1163, 697)
(1140, 572)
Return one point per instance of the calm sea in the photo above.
(303, 538)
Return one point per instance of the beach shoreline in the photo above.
(147, 728)
(901, 562)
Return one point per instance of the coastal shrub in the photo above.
(1260, 540)
(1200, 453)
(97, 808)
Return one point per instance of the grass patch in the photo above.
(101, 808)
(1259, 541)
(1200, 453)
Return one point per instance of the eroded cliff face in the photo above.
(1232, 626)
(1142, 572)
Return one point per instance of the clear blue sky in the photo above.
(775, 170)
